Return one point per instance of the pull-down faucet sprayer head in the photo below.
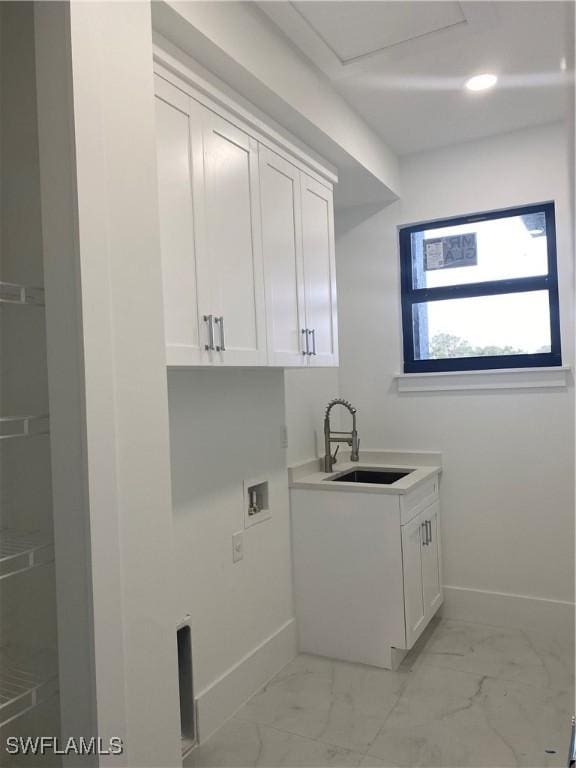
(339, 401)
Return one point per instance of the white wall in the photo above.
(226, 427)
(308, 391)
(507, 487)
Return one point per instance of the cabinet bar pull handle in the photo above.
(313, 334)
(305, 334)
(428, 528)
(209, 319)
(425, 536)
(220, 321)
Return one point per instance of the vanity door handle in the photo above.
(210, 320)
(220, 321)
(305, 334)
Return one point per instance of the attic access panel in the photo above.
(353, 30)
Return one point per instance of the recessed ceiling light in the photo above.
(481, 82)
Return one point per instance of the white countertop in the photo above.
(421, 465)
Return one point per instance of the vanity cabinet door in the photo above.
(431, 562)
(414, 610)
(283, 265)
(319, 271)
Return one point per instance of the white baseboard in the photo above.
(507, 610)
(226, 695)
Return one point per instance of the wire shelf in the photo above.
(21, 552)
(25, 682)
(23, 426)
(13, 293)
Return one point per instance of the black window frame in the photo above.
(411, 296)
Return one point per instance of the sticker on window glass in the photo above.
(451, 251)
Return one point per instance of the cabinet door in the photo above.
(234, 251)
(179, 161)
(414, 613)
(431, 562)
(319, 271)
(282, 252)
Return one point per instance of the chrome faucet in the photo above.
(350, 438)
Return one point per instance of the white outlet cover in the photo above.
(237, 546)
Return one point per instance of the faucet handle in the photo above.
(334, 454)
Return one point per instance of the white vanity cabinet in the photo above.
(299, 265)
(247, 243)
(367, 569)
(421, 573)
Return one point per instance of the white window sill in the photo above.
(557, 377)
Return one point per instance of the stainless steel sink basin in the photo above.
(375, 476)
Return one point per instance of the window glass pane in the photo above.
(514, 323)
(498, 249)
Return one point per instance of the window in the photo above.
(481, 291)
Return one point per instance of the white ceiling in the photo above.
(402, 64)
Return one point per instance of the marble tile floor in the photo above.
(467, 695)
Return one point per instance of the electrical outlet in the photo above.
(284, 436)
(237, 547)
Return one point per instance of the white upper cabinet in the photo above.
(233, 242)
(179, 145)
(283, 265)
(319, 272)
(247, 241)
(298, 247)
